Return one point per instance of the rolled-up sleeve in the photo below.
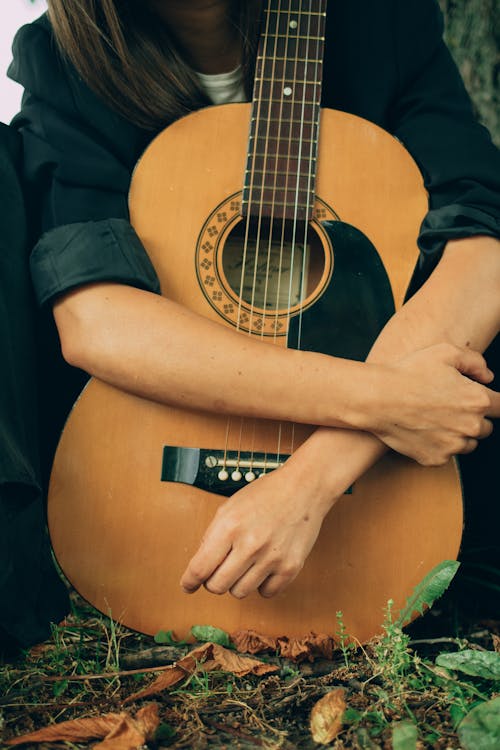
(433, 116)
(77, 254)
(78, 160)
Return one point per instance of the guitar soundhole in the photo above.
(273, 266)
(259, 276)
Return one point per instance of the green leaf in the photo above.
(480, 729)
(428, 590)
(475, 663)
(164, 732)
(351, 716)
(209, 634)
(365, 741)
(166, 637)
(59, 688)
(404, 736)
(457, 713)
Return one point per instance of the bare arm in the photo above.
(256, 542)
(153, 347)
(460, 305)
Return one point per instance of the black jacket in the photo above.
(385, 61)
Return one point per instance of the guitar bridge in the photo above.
(218, 471)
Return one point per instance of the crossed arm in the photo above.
(260, 538)
(411, 398)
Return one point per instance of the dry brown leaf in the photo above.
(251, 642)
(230, 661)
(309, 646)
(132, 733)
(128, 732)
(496, 642)
(326, 717)
(213, 657)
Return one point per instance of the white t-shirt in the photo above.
(223, 88)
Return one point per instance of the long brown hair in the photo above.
(131, 61)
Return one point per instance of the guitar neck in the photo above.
(281, 163)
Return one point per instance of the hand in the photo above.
(258, 539)
(443, 411)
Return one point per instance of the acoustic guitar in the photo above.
(303, 234)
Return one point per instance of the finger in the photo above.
(233, 568)
(469, 445)
(486, 429)
(275, 584)
(250, 582)
(207, 559)
(472, 364)
(494, 409)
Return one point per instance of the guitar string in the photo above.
(256, 112)
(273, 15)
(314, 126)
(295, 216)
(279, 140)
(276, 155)
(282, 16)
(283, 121)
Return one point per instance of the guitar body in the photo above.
(128, 504)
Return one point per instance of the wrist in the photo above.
(326, 465)
(368, 407)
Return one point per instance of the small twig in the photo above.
(431, 641)
(103, 676)
(155, 656)
(455, 641)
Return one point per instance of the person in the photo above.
(100, 82)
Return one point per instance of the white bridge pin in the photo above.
(236, 475)
(223, 475)
(249, 476)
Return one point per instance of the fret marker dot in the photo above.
(287, 91)
(293, 24)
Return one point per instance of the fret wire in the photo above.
(284, 54)
(275, 171)
(292, 203)
(279, 138)
(299, 13)
(289, 121)
(315, 60)
(302, 81)
(296, 36)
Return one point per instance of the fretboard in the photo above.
(281, 164)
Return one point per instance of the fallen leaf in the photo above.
(309, 646)
(120, 731)
(251, 642)
(209, 634)
(212, 657)
(132, 733)
(475, 663)
(326, 717)
(496, 642)
(404, 735)
(480, 729)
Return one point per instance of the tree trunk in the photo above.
(473, 36)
